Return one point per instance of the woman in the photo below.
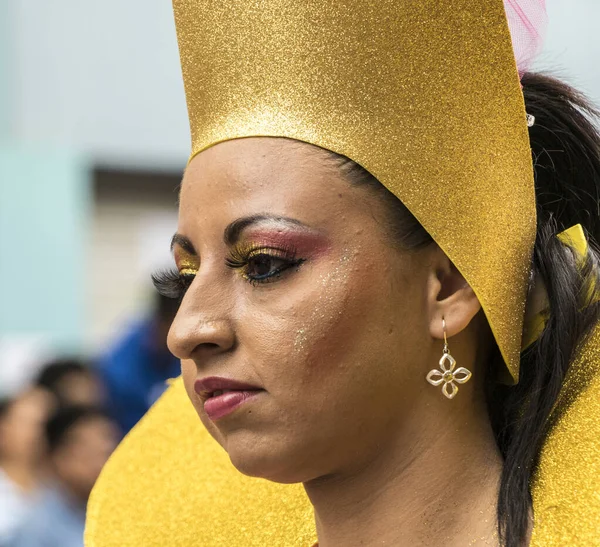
(354, 259)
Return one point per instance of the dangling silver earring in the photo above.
(448, 376)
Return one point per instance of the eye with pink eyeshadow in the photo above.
(262, 256)
(260, 264)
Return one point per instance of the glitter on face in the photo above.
(300, 339)
(321, 312)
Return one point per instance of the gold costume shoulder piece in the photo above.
(566, 486)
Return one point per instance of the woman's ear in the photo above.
(449, 296)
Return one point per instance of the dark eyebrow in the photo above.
(233, 231)
(184, 243)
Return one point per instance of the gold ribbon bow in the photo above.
(537, 310)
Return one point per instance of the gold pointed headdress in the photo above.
(424, 94)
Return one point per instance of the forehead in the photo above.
(262, 171)
(264, 150)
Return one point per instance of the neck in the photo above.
(78, 497)
(442, 493)
(24, 475)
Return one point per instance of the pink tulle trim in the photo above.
(528, 21)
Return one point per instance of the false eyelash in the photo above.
(241, 258)
(171, 284)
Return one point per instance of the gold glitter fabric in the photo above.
(169, 484)
(424, 94)
(566, 487)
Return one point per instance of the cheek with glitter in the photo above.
(327, 310)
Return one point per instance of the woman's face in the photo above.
(305, 299)
(22, 427)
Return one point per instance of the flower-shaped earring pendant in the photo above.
(447, 375)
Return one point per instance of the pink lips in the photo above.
(217, 406)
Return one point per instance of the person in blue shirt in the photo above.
(135, 370)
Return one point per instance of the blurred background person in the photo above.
(136, 368)
(79, 441)
(71, 381)
(21, 447)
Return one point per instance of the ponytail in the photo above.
(566, 154)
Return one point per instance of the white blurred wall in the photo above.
(129, 239)
(572, 47)
(102, 76)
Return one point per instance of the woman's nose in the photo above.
(200, 329)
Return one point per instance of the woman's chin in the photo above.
(270, 464)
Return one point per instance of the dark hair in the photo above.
(64, 419)
(566, 154)
(5, 406)
(166, 308)
(53, 373)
